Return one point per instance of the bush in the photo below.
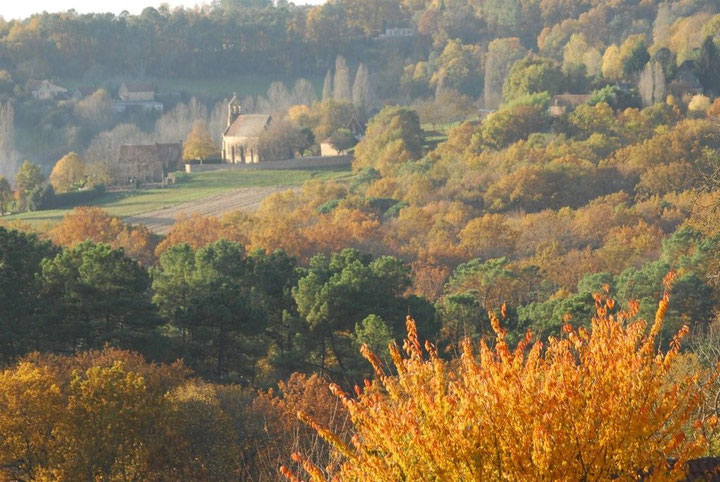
(75, 198)
(39, 198)
(603, 401)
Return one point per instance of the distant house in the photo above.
(240, 141)
(45, 90)
(136, 92)
(137, 95)
(397, 32)
(686, 83)
(562, 103)
(149, 163)
(328, 150)
(356, 127)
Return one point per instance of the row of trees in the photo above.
(255, 317)
(110, 414)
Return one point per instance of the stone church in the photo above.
(240, 139)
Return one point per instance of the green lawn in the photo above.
(244, 85)
(194, 187)
(213, 88)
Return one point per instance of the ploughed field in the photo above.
(243, 199)
(208, 193)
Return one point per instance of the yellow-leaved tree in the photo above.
(199, 144)
(589, 405)
(68, 173)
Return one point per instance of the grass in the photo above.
(244, 85)
(194, 187)
(210, 88)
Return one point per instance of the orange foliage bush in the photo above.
(590, 405)
(198, 231)
(285, 433)
(344, 228)
(95, 224)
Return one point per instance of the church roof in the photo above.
(250, 125)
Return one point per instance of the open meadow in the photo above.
(194, 188)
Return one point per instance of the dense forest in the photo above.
(536, 194)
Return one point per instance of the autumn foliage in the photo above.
(94, 224)
(589, 405)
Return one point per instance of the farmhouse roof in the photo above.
(166, 153)
(250, 125)
(356, 127)
(569, 100)
(139, 87)
(33, 84)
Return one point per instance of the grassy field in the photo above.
(252, 84)
(211, 88)
(193, 188)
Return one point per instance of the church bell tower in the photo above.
(234, 108)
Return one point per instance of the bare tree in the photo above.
(303, 93)
(645, 85)
(96, 108)
(651, 84)
(102, 155)
(174, 126)
(8, 155)
(341, 89)
(659, 82)
(217, 122)
(278, 97)
(361, 87)
(327, 92)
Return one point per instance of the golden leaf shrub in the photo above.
(588, 405)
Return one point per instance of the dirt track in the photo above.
(245, 199)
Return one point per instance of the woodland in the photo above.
(497, 287)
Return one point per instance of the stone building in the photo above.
(137, 96)
(45, 89)
(149, 163)
(241, 137)
(136, 92)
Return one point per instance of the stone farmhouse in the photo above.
(45, 90)
(149, 163)
(137, 95)
(240, 141)
(356, 127)
(686, 83)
